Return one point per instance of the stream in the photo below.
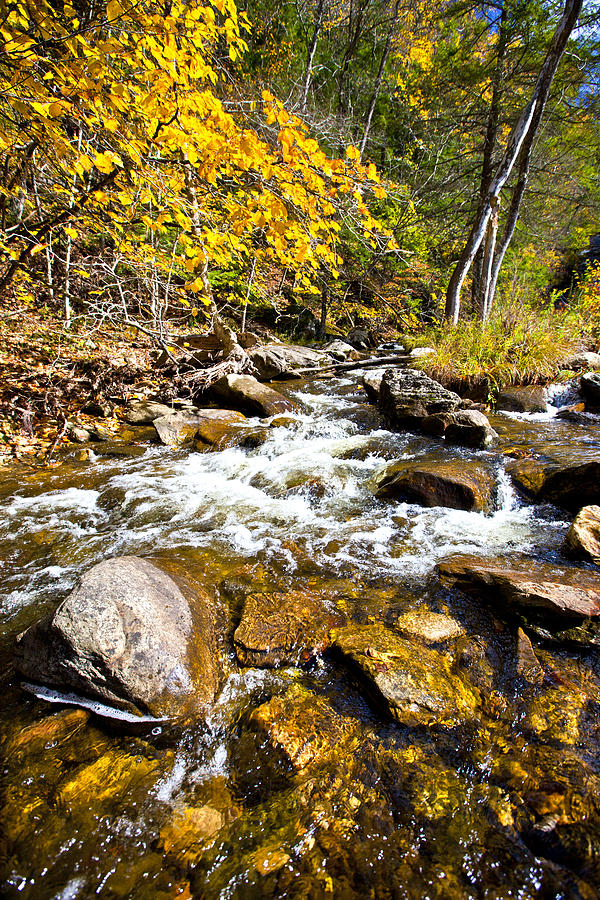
(391, 811)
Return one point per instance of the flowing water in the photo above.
(93, 810)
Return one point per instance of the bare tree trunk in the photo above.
(248, 289)
(488, 148)
(379, 80)
(67, 287)
(312, 49)
(526, 128)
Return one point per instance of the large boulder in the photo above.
(529, 399)
(247, 394)
(282, 629)
(451, 483)
(407, 395)
(590, 388)
(209, 426)
(585, 360)
(273, 361)
(413, 683)
(583, 537)
(528, 585)
(341, 351)
(571, 486)
(144, 412)
(131, 636)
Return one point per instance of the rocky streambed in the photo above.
(308, 646)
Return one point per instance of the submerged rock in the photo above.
(530, 399)
(527, 664)
(583, 537)
(282, 629)
(300, 728)
(450, 483)
(129, 636)
(248, 394)
(429, 627)
(413, 683)
(527, 585)
(407, 395)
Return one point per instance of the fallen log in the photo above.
(357, 364)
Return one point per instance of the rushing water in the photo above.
(201, 811)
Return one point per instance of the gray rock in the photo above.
(531, 399)
(447, 483)
(341, 350)
(129, 636)
(274, 361)
(428, 627)
(407, 395)
(144, 412)
(421, 352)
(246, 393)
(590, 388)
(582, 361)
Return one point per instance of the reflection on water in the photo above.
(503, 804)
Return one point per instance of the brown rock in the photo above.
(246, 393)
(210, 425)
(414, 684)
(144, 412)
(282, 629)
(583, 537)
(301, 727)
(573, 486)
(450, 483)
(429, 627)
(528, 665)
(527, 474)
(531, 399)
(528, 585)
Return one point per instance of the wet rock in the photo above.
(571, 487)
(583, 537)
(191, 831)
(51, 732)
(527, 585)
(282, 422)
(527, 474)
(110, 776)
(341, 351)
(429, 627)
(117, 450)
(577, 416)
(555, 714)
(99, 433)
(447, 483)
(274, 361)
(528, 665)
(300, 728)
(144, 412)
(468, 427)
(413, 683)
(574, 845)
(371, 381)
(248, 394)
(78, 435)
(407, 395)
(129, 636)
(282, 629)
(210, 425)
(531, 399)
(590, 388)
